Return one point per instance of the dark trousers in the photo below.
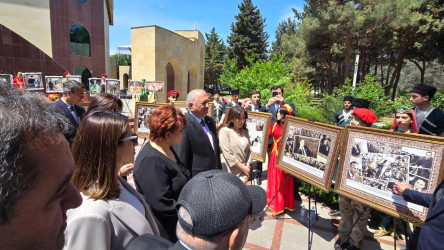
(256, 166)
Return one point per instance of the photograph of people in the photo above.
(355, 172)
(234, 142)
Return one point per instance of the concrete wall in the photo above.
(154, 47)
(29, 19)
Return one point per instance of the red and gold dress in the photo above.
(285, 197)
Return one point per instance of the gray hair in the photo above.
(192, 241)
(24, 116)
(71, 85)
(192, 96)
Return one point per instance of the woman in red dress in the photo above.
(284, 198)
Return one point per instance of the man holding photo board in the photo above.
(431, 234)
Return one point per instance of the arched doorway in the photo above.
(85, 73)
(125, 81)
(170, 77)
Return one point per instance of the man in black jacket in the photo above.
(67, 106)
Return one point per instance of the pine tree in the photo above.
(247, 36)
(215, 52)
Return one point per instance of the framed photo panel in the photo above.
(5, 78)
(309, 151)
(113, 87)
(154, 86)
(135, 87)
(373, 160)
(54, 84)
(74, 77)
(95, 86)
(33, 80)
(258, 124)
(182, 105)
(143, 113)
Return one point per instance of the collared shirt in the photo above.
(254, 108)
(208, 131)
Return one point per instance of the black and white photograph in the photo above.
(258, 125)
(142, 118)
(54, 84)
(309, 151)
(5, 78)
(95, 86)
(33, 80)
(373, 160)
(113, 87)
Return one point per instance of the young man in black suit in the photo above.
(199, 148)
(67, 106)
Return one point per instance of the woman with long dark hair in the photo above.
(234, 143)
(284, 198)
(112, 213)
(158, 173)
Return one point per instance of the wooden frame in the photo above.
(309, 151)
(54, 84)
(258, 124)
(143, 109)
(95, 86)
(373, 160)
(182, 105)
(112, 87)
(33, 81)
(6, 78)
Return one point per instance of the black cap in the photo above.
(210, 91)
(235, 92)
(348, 98)
(216, 91)
(218, 201)
(360, 103)
(424, 90)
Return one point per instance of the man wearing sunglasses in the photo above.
(67, 106)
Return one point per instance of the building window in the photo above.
(81, 1)
(80, 41)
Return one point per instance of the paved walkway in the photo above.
(286, 232)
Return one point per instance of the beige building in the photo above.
(177, 58)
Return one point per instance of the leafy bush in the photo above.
(328, 198)
(438, 101)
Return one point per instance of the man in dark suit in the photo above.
(199, 148)
(431, 235)
(276, 101)
(256, 106)
(303, 150)
(67, 106)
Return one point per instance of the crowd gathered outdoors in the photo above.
(63, 171)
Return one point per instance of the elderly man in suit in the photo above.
(431, 235)
(67, 106)
(36, 166)
(199, 148)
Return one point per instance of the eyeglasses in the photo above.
(133, 137)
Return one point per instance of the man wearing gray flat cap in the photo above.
(215, 210)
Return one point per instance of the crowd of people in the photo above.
(63, 169)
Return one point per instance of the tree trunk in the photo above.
(329, 70)
(347, 55)
(399, 60)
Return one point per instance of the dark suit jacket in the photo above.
(431, 236)
(148, 241)
(307, 151)
(61, 108)
(195, 150)
(261, 108)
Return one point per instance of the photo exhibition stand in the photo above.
(310, 194)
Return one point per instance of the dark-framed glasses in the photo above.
(133, 138)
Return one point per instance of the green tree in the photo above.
(247, 38)
(215, 52)
(121, 60)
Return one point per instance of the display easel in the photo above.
(310, 232)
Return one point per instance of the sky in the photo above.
(185, 15)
